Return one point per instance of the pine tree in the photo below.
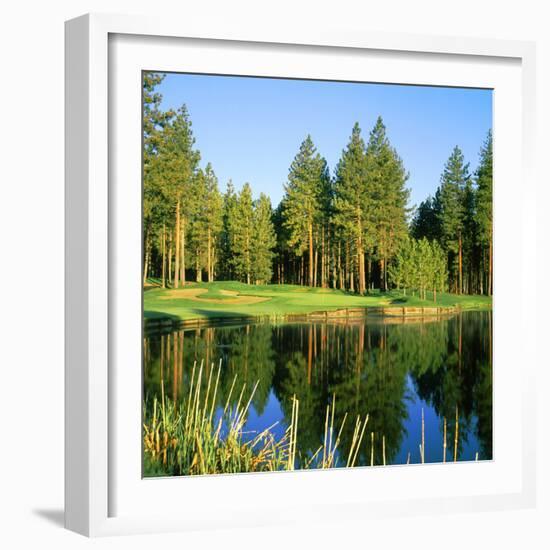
(386, 178)
(453, 183)
(302, 201)
(352, 203)
(213, 214)
(264, 241)
(323, 230)
(227, 234)
(179, 163)
(426, 220)
(469, 239)
(198, 225)
(484, 209)
(154, 209)
(243, 235)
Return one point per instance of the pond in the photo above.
(409, 377)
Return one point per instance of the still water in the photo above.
(397, 373)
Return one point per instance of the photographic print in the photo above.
(317, 274)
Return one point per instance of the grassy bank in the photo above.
(233, 299)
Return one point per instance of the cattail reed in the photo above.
(199, 436)
(456, 434)
(423, 439)
(372, 448)
(444, 440)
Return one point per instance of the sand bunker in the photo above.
(194, 294)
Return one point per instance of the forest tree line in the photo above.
(350, 230)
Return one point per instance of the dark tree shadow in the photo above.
(54, 516)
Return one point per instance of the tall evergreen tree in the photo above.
(452, 191)
(154, 207)
(302, 200)
(180, 161)
(470, 239)
(386, 178)
(426, 221)
(206, 223)
(484, 209)
(264, 241)
(243, 235)
(229, 221)
(352, 202)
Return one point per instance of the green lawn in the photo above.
(233, 299)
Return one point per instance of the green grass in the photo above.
(278, 300)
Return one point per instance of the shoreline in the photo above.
(384, 314)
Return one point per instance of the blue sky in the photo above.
(250, 129)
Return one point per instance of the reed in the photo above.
(444, 440)
(423, 444)
(198, 436)
(187, 439)
(456, 434)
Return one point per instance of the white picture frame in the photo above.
(104, 494)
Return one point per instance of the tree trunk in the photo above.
(351, 275)
(371, 274)
(311, 260)
(382, 269)
(334, 270)
(490, 281)
(361, 260)
(169, 258)
(208, 256)
(340, 270)
(198, 268)
(347, 268)
(248, 274)
(146, 258)
(482, 274)
(163, 255)
(177, 238)
(315, 268)
(460, 264)
(182, 251)
(323, 259)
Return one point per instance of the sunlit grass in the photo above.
(281, 300)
